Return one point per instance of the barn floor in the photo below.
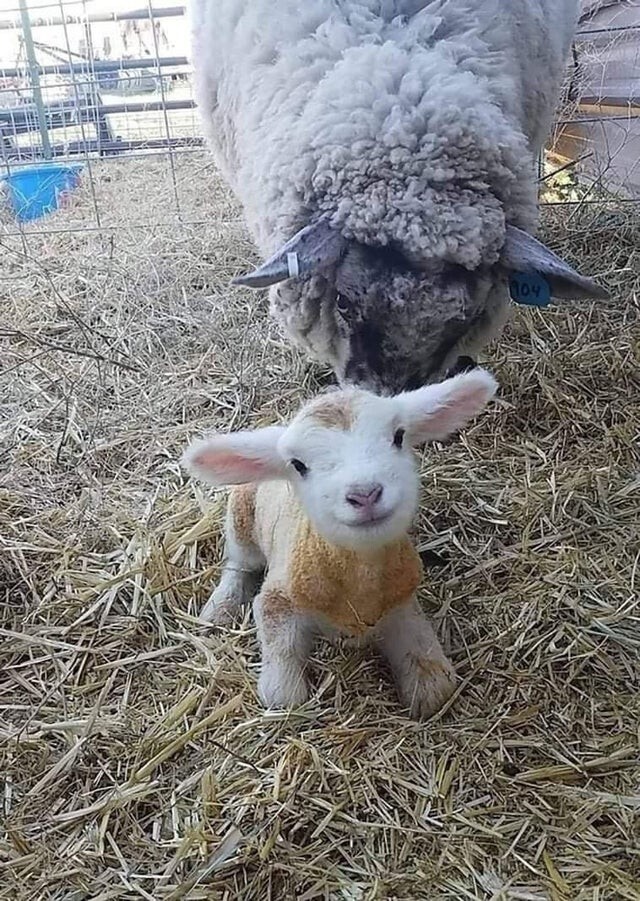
(138, 762)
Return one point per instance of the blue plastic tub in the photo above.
(35, 191)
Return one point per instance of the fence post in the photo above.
(35, 79)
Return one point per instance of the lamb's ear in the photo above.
(524, 253)
(312, 249)
(435, 411)
(237, 458)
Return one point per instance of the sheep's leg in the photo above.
(244, 562)
(286, 638)
(425, 678)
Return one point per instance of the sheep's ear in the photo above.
(312, 249)
(237, 458)
(435, 411)
(524, 253)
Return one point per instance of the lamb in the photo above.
(323, 505)
(383, 152)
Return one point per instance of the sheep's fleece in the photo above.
(383, 151)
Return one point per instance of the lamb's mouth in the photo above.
(373, 521)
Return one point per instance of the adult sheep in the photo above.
(383, 152)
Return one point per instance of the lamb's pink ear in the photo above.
(237, 458)
(435, 411)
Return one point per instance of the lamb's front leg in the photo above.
(286, 638)
(244, 561)
(238, 584)
(425, 678)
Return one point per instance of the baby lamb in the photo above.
(323, 505)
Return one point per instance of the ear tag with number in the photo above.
(530, 289)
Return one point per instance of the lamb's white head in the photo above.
(348, 455)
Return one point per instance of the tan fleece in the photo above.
(351, 590)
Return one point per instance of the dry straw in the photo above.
(137, 761)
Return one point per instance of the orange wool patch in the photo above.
(333, 413)
(350, 590)
(276, 606)
(242, 503)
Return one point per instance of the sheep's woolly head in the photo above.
(348, 455)
(398, 183)
(386, 323)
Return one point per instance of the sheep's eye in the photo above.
(398, 438)
(299, 467)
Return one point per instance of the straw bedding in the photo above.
(138, 762)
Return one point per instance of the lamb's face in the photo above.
(352, 468)
(348, 455)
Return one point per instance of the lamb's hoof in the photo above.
(462, 364)
(219, 611)
(282, 687)
(427, 686)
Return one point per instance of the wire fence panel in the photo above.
(103, 83)
(107, 83)
(598, 130)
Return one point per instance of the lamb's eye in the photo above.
(299, 467)
(398, 438)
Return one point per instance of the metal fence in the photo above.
(106, 83)
(599, 129)
(103, 83)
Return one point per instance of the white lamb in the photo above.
(324, 507)
(383, 151)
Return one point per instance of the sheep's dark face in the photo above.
(381, 324)
(387, 323)
(403, 328)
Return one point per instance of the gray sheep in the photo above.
(384, 154)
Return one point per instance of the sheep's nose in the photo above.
(364, 498)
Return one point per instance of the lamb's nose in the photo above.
(364, 497)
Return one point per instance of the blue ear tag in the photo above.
(530, 289)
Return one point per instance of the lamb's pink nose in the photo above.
(364, 498)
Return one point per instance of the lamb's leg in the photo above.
(286, 639)
(244, 562)
(425, 678)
